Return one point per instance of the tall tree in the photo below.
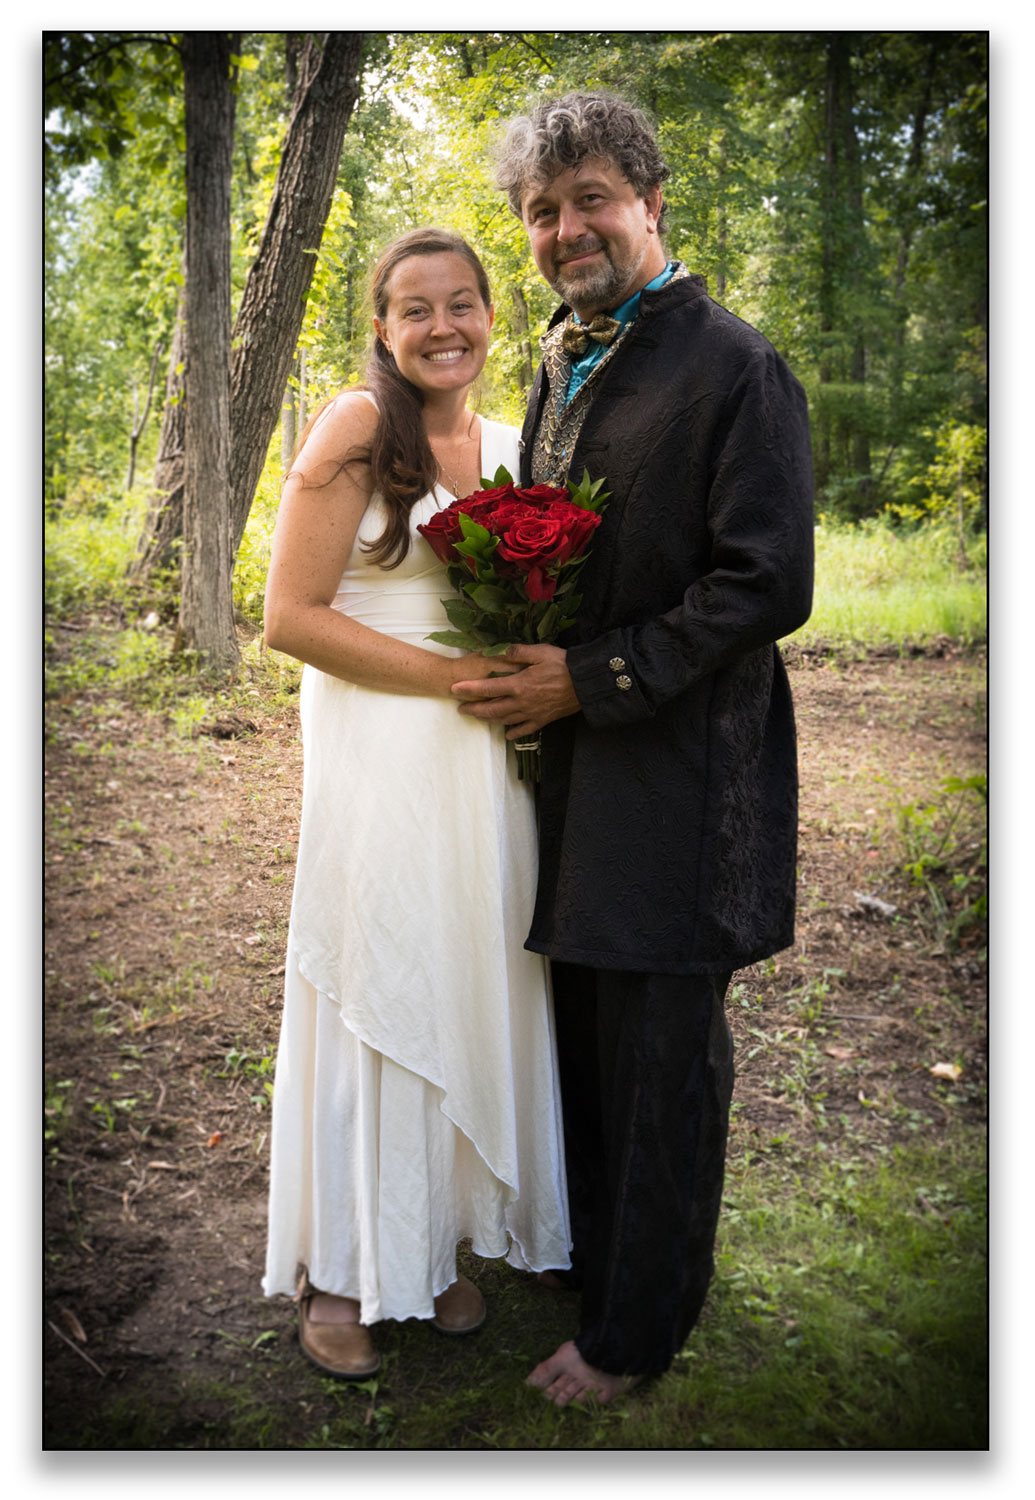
(273, 306)
(273, 303)
(206, 622)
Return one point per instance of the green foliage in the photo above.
(878, 584)
(253, 556)
(944, 846)
(87, 549)
(870, 278)
(951, 490)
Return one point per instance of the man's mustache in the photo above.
(582, 248)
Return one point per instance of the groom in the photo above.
(668, 801)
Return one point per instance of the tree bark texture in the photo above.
(273, 305)
(517, 297)
(140, 417)
(843, 237)
(206, 623)
(163, 525)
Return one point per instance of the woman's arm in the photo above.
(315, 533)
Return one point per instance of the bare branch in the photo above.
(547, 64)
(123, 41)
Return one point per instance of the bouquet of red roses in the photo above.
(514, 555)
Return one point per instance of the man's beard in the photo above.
(596, 288)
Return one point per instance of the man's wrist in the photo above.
(604, 681)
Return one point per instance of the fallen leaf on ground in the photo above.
(72, 1323)
(215, 1138)
(951, 1071)
(841, 1053)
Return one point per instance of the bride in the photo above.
(415, 1100)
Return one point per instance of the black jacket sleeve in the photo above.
(758, 587)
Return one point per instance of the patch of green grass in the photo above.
(876, 585)
(848, 1312)
(257, 1068)
(88, 549)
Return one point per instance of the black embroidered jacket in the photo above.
(668, 805)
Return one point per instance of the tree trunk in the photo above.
(963, 562)
(163, 526)
(140, 418)
(517, 297)
(823, 445)
(206, 623)
(842, 442)
(910, 217)
(273, 305)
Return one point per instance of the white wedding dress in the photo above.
(416, 1099)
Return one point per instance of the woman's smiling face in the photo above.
(436, 326)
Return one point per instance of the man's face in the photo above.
(593, 238)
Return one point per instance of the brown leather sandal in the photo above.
(460, 1308)
(342, 1349)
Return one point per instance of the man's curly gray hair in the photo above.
(561, 133)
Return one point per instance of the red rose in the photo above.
(480, 496)
(539, 539)
(496, 515)
(541, 492)
(539, 586)
(508, 513)
(555, 535)
(440, 532)
(578, 523)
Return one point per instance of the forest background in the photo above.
(831, 187)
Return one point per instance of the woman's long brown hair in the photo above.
(402, 465)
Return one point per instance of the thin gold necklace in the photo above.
(453, 485)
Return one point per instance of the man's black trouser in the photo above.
(646, 1065)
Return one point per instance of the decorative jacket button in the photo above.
(616, 664)
(625, 683)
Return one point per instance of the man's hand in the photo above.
(526, 700)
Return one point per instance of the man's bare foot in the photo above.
(547, 1278)
(566, 1377)
(325, 1308)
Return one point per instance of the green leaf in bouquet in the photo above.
(501, 477)
(474, 534)
(497, 650)
(480, 558)
(548, 624)
(460, 614)
(586, 493)
(462, 639)
(567, 582)
(489, 598)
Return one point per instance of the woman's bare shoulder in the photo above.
(348, 410)
(346, 422)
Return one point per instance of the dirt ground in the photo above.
(170, 860)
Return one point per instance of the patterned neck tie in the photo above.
(576, 336)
